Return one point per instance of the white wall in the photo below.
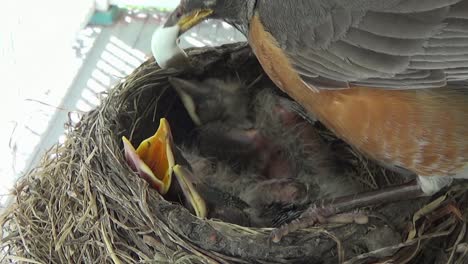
(37, 64)
(169, 4)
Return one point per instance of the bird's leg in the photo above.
(317, 214)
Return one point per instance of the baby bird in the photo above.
(287, 164)
(157, 160)
(291, 164)
(221, 112)
(214, 100)
(164, 166)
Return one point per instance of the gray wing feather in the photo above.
(416, 6)
(427, 65)
(322, 69)
(459, 10)
(435, 76)
(450, 34)
(444, 51)
(412, 74)
(385, 45)
(393, 44)
(440, 58)
(447, 42)
(457, 25)
(457, 71)
(381, 62)
(398, 26)
(345, 65)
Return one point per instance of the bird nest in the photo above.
(84, 204)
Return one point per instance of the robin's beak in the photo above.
(164, 43)
(187, 20)
(154, 161)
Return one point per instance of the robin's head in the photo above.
(191, 12)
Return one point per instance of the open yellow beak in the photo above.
(154, 161)
(191, 19)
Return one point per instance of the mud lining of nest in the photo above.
(83, 204)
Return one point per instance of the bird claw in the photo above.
(313, 215)
(317, 215)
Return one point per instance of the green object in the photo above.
(105, 18)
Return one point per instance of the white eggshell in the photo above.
(164, 46)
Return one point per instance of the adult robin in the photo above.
(390, 77)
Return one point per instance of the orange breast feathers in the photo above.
(424, 131)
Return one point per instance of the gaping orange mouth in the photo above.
(154, 161)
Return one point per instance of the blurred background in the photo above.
(58, 59)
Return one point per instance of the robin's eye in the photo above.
(179, 13)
